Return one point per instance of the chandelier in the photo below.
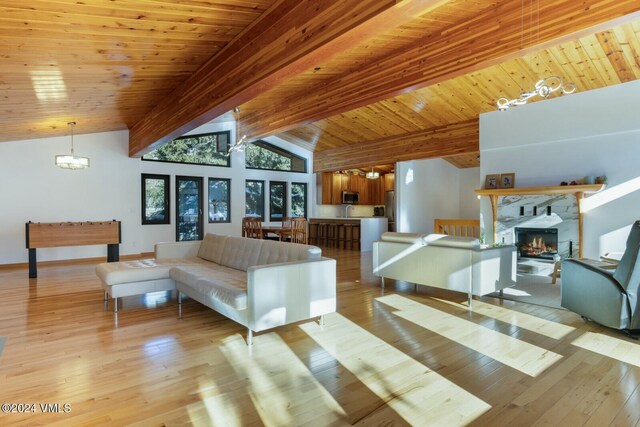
(241, 143)
(71, 161)
(543, 87)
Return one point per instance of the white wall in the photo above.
(469, 202)
(33, 189)
(430, 189)
(565, 139)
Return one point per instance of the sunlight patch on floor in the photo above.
(416, 393)
(217, 409)
(516, 292)
(280, 385)
(520, 355)
(615, 348)
(522, 320)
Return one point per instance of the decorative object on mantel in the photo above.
(507, 180)
(241, 143)
(577, 190)
(544, 87)
(71, 161)
(491, 181)
(587, 180)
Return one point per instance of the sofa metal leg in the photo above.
(115, 305)
(179, 305)
(469, 300)
(321, 320)
(106, 296)
(382, 282)
(249, 337)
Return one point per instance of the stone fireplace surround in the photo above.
(564, 217)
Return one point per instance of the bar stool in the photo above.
(355, 236)
(313, 233)
(348, 235)
(322, 238)
(332, 235)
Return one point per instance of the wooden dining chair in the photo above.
(285, 233)
(252, 227)
(256, 228)
(299, 230)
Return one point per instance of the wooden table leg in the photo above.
(556, 269)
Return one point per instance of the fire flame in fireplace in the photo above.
(538, 246)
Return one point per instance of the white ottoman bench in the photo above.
(127, 278)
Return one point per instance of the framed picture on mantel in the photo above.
(491, 181)
(507, 180)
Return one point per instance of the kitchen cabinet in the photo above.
(371, 191)
(389, 183)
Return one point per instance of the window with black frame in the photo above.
(155, 199)
(219, 200)
(299, 199)
(254, 198)
(204, 149)
(277, 200)
(262, 155)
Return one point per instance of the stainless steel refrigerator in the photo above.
(390, 209)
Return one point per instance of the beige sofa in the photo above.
(260, 284)
(448, 262)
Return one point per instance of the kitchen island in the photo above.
(356, 233)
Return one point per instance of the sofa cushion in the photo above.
(389, 236)
(241, 253)
(212, 247)
(223, 284)
(454, 241)
(273, 252)
(116, 273)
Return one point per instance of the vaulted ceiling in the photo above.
(360, 82)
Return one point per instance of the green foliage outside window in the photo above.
(206, 149)
(254, 198)
(262, 155)
(299, 199)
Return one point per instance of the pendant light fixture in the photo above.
(71, 161)
(373, 174)
(240, 143)
(544, 87)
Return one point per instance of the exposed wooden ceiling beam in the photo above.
(289, 38)
(437, 142)
(488, 39)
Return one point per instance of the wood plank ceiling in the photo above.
(104, 63)
(378, 89)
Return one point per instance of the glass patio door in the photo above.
(189, 217)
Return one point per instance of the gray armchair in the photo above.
(610, 299)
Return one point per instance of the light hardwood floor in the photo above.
(392, 357)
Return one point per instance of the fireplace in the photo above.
(537, 242)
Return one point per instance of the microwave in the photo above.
(350, 197)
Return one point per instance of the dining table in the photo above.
(275, 229)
